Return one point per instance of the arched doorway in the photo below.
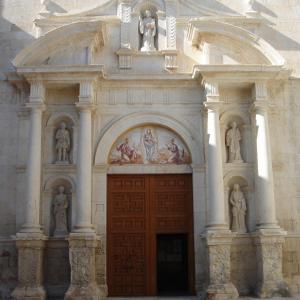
(150, 236)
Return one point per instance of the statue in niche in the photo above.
(148, 31)
(238, 210)
(233, 138)
(60, 207)
(63, 144)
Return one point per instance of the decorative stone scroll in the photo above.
(149, 145)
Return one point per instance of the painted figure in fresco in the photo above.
(150, 143)
(63, 143)
(128, 154)
(60, 206)
(175, 153)
(233, 138)
(238, 210)
(148, 31)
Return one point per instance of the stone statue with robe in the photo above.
(63, 144)
(60, 207)
(148, 31)
(233, 139)
(238, 210)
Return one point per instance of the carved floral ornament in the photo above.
(149, 145)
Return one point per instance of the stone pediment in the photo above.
(72, 44)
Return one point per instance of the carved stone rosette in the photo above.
(220, 286)
(30, 265)
(269, 263)
(83, 272)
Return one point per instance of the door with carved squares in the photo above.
(146, 212)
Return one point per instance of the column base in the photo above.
(83, 272)
(222, 292)
(30, 264)
(29, 293)
(269, 244)
(89, 292)
(218, 247)
(271, 289)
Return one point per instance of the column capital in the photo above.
(261, 105)
(211, 91)
(86, 91)
(37, 91)
(260, 91)
(213, 105)
(35, 106)
(85, 106)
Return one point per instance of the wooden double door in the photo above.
(150, 247)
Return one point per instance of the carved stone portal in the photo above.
(60, 213)
(30, 264)
(238, 210)
(63, 144)
(148, 31)
(83, 271)
(233, 139)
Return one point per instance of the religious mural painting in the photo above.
(149, 145)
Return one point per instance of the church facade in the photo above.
(149, 147)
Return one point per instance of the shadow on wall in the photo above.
(216, 5)
(12, 41)
(275, 38)
(52, 7)
(263, 9)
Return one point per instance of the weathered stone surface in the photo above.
(269, 261)
(220, 286)
(30, 269)
(83, 270)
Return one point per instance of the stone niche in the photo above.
(51, 191)
(241, 121)
(247, 194)
(145, 20)
(60, 139)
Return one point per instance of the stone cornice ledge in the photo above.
(74, 73)
(240, 73)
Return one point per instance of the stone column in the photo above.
(83, 240)
(269, 237)
(84, 170)
(30, 240)
(215, 186)
(266, 208)
(218, 237)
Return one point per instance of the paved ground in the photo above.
(195, 298)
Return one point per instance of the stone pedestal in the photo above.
(269, 264)
(218, 248)
(83, 268)
(30, 264)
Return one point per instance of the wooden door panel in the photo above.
(128, 264)
(139, 208)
